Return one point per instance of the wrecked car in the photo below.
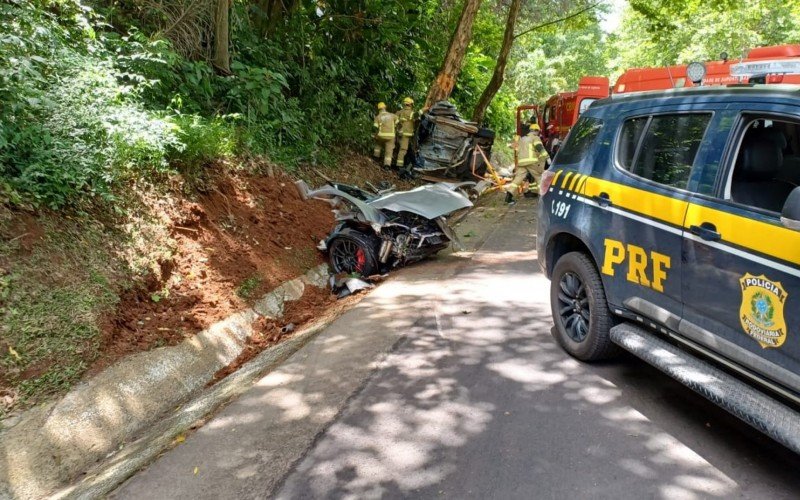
(378, 231)
(446, 144)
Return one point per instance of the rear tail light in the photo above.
(547, 179)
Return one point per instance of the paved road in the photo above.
(473, 400)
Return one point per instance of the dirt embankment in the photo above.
(245, 237)
(77, 293)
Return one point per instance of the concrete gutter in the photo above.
(49, 446)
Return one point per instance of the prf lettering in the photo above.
(639, 263)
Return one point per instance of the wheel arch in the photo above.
(563, 243)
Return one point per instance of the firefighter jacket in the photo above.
(385, 123)
(406, 117)
(531, 151)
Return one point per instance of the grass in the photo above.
(248, 286)
(55, 291)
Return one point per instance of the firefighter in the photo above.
(407, 119)
(385, 124)
(532, 157)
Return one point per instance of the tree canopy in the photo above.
(95, 94)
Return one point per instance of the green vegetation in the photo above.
(52, 302)
(656, 33)
(248, 286)
(97, 96)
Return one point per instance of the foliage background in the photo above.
(98, 95)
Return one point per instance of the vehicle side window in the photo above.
(580, 140)
(629, 139)
(767, 165)
(667, 151)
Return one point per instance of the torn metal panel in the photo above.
(430, 201)
(330, 194)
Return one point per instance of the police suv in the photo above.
(669, 225)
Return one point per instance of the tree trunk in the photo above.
(443, 85)
(500, 68)
(222, 56)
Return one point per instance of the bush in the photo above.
(202, 140)
(74, 126)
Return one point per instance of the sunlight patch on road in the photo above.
(523, 371)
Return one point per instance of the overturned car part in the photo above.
(376, 232)
(446, 144)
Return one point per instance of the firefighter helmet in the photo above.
(534, 127)
(381, 105)
(408, 101)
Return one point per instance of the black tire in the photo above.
(353, 252)
(580, 311)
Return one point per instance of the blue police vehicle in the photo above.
(669, 226)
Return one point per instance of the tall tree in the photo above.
(445, 80)
(222, 56)
(500, 68)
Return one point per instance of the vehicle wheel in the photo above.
(353, 252)
(580, 311)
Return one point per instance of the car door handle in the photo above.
(602, 199)
(707, 231)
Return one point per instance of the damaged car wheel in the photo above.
(353, 252)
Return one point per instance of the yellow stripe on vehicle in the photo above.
(574, 183)
(763, 237)
(554, 183)
(582, 184)
(644, 202)
(566, 180)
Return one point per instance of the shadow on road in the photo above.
(479, 401)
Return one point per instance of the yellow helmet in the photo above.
(381, 105)
(408, 101)
(535, 127)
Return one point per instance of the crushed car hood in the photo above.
(430, 201)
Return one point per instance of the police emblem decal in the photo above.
(761, 311)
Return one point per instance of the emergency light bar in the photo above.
(775, 66)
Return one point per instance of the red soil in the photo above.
(235, 243)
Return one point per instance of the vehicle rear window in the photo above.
(580, 140)
(667, 151)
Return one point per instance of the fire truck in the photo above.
(771, 65)
(561, 111)
(776, 64)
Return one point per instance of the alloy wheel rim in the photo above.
(573, 306)
(348, 257)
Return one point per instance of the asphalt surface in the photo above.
(470, 398)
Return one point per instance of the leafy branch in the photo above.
(560, 20)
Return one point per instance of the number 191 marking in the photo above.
(560, 209)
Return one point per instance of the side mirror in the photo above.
(790, 215)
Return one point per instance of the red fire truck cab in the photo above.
(562, 110)
(776, 64)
